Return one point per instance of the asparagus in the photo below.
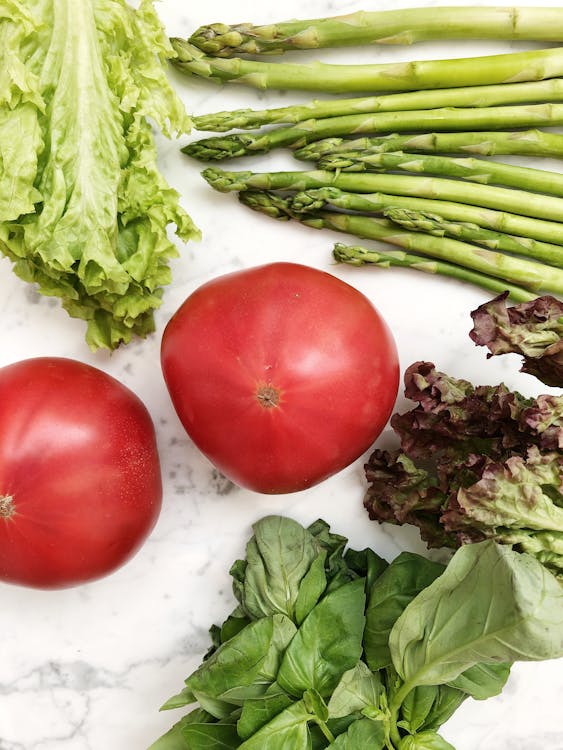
(443, 118)
(550, 90)
(542, 238)
(510, 200)
(437, 225)
(518, 271)
(531, 65)
(384, 27)
(466, 168)
(483, 143)
(357, 255)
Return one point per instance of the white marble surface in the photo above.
(87, 668)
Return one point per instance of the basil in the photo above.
(334, 648)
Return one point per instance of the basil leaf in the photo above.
(363, 733)
(243, 666)
(174, 738)
(417, 706)
(448, 700)
(211, 736)
(278, 556)
(338, 571)
(491, 605)
(358, 687)
(259, 711)
(398, 585)
(183, 698)
(425, 741)
(366, 564)
(483, 680)
(328, 643)
(286, 730)
(311, 589)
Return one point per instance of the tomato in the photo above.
(281, 374)
(80, 481)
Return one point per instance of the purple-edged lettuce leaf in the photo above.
(475, 462)
(532, 329)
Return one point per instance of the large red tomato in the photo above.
(80, 482)
(281, 374)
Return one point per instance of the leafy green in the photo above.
(358, 688)
(437, 635)
(289, 727)
(278, 557)
(328, 643)
(428, 740)
(482, 680)
(490, 605)
(475, 462)
(363, 733)
(244, 666)
(532, 329)
(84, 210)
(258, 711)
(405, 577)
(211, 736)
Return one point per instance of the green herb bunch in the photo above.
(332, 647)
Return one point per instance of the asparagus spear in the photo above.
(403, 26)
(482, 171)
(483, 143)
(488, 196)
(550, 90)
(357, 255)
(443, 118)
(531, 65)
(437, 225)
(542, 238)
(521, 272)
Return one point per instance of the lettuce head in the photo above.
(84, 211)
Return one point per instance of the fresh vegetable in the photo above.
(84, 211)
(281, 374)
(332, 647)
(232, 145)
(531, 65)
(80, 484)
(481, 171)
(267, 192)
(403, 26)
(465, 231)
(542, 239)
(533, 330)
(478, 265)
(474, 463)
(547, 207)
(481, 143)
(550, 90)
(356, 255)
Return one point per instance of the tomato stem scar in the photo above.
(7, 508)
(268, 396)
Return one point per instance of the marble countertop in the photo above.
(87, 668)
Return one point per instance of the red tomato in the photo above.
(281, 374)
(80, 483)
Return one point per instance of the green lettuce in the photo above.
(84, 211)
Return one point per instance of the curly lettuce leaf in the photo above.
(475, 462)
(532, 329)
(85, 212)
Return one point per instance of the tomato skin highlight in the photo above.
(281, 374)
(80, 477)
